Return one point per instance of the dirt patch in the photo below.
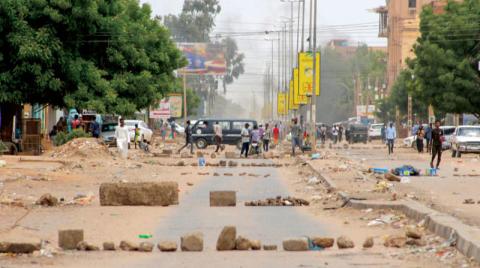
(81, 148)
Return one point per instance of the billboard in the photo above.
(291, 96)
(281, 104)
(203, 58)
(367, 111)
(176, 105)
(168, 107)
(161, 111)
(305, 65)
(298, 98)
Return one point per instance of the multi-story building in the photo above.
(399, 23)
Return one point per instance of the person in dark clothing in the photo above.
(95, 128)
(188, 138)
(340, 133)
(437, 140)
(428, 137)
(420, 136)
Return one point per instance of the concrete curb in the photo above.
(465, 237)
(325, 180)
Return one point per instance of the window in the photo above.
(412, 3)
(240, 125)
(225, 125)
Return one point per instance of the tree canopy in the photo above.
(97, 54)
(447, 58)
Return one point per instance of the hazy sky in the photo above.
(336, 19)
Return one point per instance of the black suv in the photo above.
(202, 131)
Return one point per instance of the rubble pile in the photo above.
(81, 148)
(278, 202)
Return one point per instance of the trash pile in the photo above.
(278, 202)
(81, 147)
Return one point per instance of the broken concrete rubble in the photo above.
(344, 242)
(47, 200)
(295, 244)
(108, 246)
(324, 242)
(192, 242)
(128, 246)
(226, 239)
(18, 248)
(368, 242)
(167, 246)
(145, 247)
(84, 246)
(278, 201)
(395, 241)
(242, 243)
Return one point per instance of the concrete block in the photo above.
(223, 199)
(69, 239)
(139, 194)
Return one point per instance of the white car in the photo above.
(145, 132)
(179, 129)
(447, 132)
(466, 139)
(375, 131)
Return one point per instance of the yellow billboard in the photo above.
(298, 99)
(281, 104)
(291, 96)
(305, 65)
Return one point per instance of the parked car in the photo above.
(375, 131)
(466, 139)
(447, 132)
(356, 133)
(203, 131)
(108, 134)
(145, 132)
(179, 129)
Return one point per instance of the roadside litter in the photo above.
(406, 170)
(278, 201)
(3, 163)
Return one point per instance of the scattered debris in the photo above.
(368, 242)
(242, 243)
(296, 244)
(84, 246)
(324, 242)
(227, 238)
(395, 241)
(270, 247)
(47, 200)
(145, 247)
(344, 242)
(128, 246)
(108, 246)
(69, 239)
(192, 242)
(278, 201)
(167, 246)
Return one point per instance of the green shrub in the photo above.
(63, 137)
(3, 147)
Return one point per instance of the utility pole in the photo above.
(272, 83)
(278, 69)
(303, 24)
(310, 27)
(314, 86)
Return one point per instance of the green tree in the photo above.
(104, 55)
(447, 58)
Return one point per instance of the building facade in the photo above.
(399, 22)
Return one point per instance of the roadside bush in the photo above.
(3, 148)
(62, 137)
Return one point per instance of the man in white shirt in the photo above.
(245, 140)
(122, 137)
(391, 134)
(217, 129)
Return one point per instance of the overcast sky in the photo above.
(336, 19)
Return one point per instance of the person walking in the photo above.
(173, 127)
(437, 140)
(95, 129)
(296, 132)
(122, 137)
(391, 135)
(163, 130)
(137, 135)
(245, 134)
(217, 129)
(335, 134)
(420, 136)
(267, 135)
(188, 138)
(276, 134)
(323, 133)
(383, 133)
(428, 137)
(255, 140)
(340, 133)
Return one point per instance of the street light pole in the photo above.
(314, 86)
